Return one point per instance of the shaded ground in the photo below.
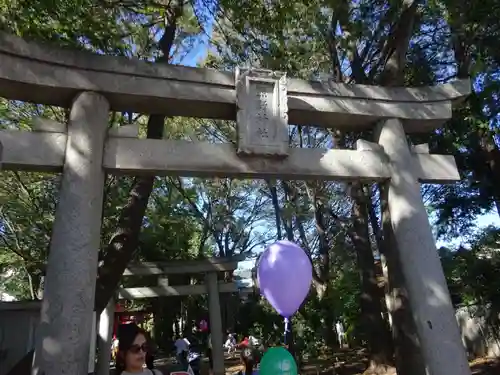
(485, 366)
(348, 362)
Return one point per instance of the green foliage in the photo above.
(472, 273)
(78, 23)
(27, 211)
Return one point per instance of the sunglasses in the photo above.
(135, 349)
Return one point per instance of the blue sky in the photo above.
(200, 52)
(490, 218)
(483, 221)
(202, 41)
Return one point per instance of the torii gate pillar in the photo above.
(105, 337)
(215, 323)
(64, 337)
(430, 301)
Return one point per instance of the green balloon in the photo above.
(277, 361)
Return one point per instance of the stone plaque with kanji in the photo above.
(262, 112)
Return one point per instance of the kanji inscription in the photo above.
(262, 113)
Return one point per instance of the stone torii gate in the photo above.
(263, 103)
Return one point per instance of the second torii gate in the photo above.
(210, 267)
(263, 103)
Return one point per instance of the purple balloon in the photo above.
(284, 274)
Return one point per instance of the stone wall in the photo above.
(479, 337)
(18, 325)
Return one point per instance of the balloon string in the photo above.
(286, 329)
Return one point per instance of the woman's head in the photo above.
(132, 348)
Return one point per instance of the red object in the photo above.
(244, 343)
(203, 326)
(121, 318)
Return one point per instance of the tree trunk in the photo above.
(492, 157)
(329, 321)
(408, 356)
(124, 242)
(230, 305)
(286, 217)
(375, 327)
(276, 205)
(324, 244)
(408, 353)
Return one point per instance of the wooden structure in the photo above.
(263, 103)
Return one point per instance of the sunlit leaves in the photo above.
(472, 271)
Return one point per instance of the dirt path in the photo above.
(355, 364)
(350, 362)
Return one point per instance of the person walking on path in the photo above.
(181, 351)
(339, 327)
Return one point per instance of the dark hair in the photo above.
(150, 360)
(126, 337)
(250, 358)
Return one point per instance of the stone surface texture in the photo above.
(262, 118)
(172, 290)
(430, 301)
(176, 267)
(125, 131)
(105, 338)
(43, 74)
(33, 151)
(215, 323)
(41, 124)
(63, 338)
(41, 151)
(164, 157)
